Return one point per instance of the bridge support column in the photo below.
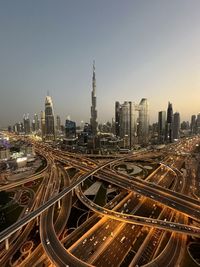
(59, 205)
(72, 192)
(7, 244)
(37, 220)
(82, 183)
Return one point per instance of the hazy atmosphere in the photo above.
(141, 48)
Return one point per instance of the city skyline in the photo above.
(142, 50)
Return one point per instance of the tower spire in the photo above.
(94, 79)
(93, 66)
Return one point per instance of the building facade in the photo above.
(161, 126)
(169, 125)
(176, 126)
(70, 129)
(49, 120)
(143, 124)
(93, 120)
(27, 125)
(129, 126)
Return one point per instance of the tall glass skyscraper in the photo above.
(93, 120)
(161, 126)
(37, 124)
(193, 124)
(143, 127)
(176, 126)
(49, 120)
(27, 125)
(126, 122)
(70, 129)
(169, 130)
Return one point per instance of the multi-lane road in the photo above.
(150, 206)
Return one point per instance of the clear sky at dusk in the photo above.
(143, 48)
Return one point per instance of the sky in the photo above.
(142, 49)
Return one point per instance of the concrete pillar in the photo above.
(72, 192)
(7, 244)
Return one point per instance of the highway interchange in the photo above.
(152, 216)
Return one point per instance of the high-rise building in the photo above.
(198, 124)
(185, 125)
(169, 125)
(37, 123)
(122, 121)
(193, 124)
(126, 122)
(42, 124)
(33, 125)
(27, 125)
(18, 128)
(58, 123)
(49, 120)
(176, 126)
(117, 118)
(93, 120)
(161, 126)
(70, 129)
(143, 126)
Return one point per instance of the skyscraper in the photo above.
(193, 124)
(58, 123)
(125, 122)
(176, 126)
(33, 125)
(161, 126)
(169, 126)
(198, 123)
(42, 122)
(117, 118)
(70, 129)
(49, 120)
(143, 126)
(37, 124)
(93, 120)
(27, 125)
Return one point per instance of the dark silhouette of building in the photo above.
(27, 125)
(193, 124)
(176, 126)
(161, 126)
(70, 129)
(169, 125)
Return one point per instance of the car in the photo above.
(104, 238)
(107, 226)
(27, 209)
(47, 241)
(84, 241)
(122, 239)
(95, 243)
(92, 238)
